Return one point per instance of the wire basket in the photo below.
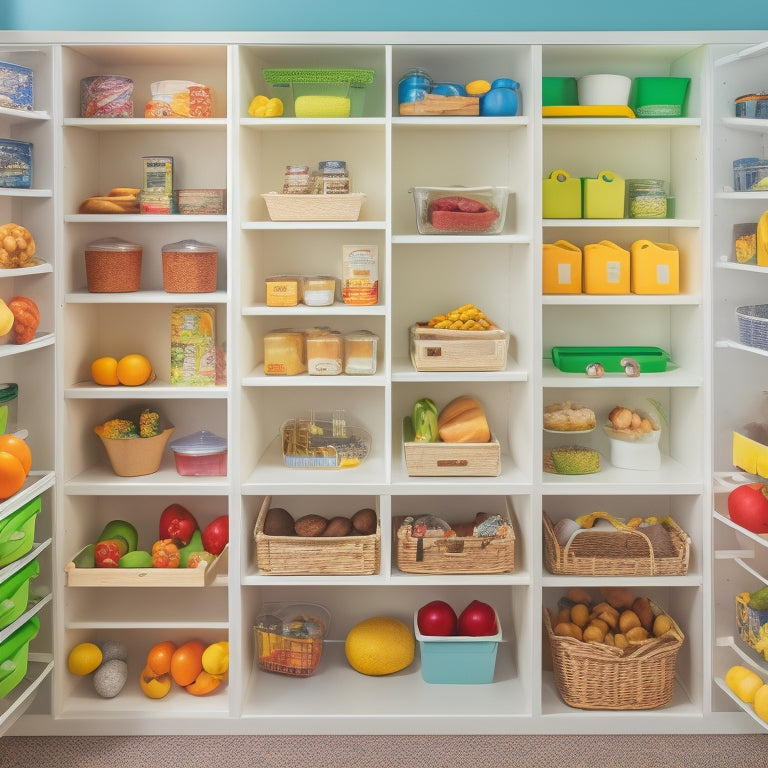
(753, 325)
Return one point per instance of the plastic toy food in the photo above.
(748, 507)
(26, 318)
(17, 246)
(461, 213)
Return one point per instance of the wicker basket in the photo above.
(614, 553)
(753, 325)
(135, 456)
(454, 554)
(314, 207)
(597, 676)
(315, 556)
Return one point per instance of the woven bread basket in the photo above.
(592, 675)
(614, 553)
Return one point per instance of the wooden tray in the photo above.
(315, 555)
(450, 459)
(435, 104)
(440, 349)
(202, 576)
(454, 554)
(314, 207)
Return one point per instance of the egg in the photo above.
(110, 677)
(113, 649)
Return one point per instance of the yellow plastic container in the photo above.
(561, 196)
(603, 197)
(606, 268)
(654, 267)
(561, 267)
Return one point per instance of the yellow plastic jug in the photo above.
(654, 267)
(561, 267)
(606, 268)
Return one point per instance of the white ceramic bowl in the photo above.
(595, 90)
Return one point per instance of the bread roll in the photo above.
(463, 421)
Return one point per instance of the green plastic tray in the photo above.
(576, 359)
(320, 75)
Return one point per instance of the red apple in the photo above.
(177, 523)
(436, 618)
(748, 507)
(216, 535)
(477, 620)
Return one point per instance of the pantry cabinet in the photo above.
(709, 391)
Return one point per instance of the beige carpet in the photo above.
(687, 751)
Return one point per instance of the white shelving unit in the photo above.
(419, 276)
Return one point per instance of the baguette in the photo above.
(463, 420)
(121, 191)
(109, 205)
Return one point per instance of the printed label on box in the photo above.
(193, 346)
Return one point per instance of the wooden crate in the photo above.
(614, 553)
(437, 104)
(452, 459)
(440, 349)
(202, 576)
(454, 554)
(315, 556)
(314, 207)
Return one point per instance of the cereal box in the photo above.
(193, 346)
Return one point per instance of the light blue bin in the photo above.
(458, 660)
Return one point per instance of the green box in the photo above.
(659, 96)
(14, 593)
(14, 655)
(561, 196)
(603, 196)
(17, 532)
(559, 92)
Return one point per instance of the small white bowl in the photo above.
(597, 90)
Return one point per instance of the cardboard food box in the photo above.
(193, 346)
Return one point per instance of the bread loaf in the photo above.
(463, 420)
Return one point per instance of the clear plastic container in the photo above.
(318, 291)
(200, 454)
(460, 210)
(190, 266)
(325, 352)
(647, 199)
(284, 353)
(360, 353)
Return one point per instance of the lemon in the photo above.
(379, 646)
(84, 658)
(743, 682)
(760, 703)
(478, 87)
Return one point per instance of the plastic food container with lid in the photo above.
(318, 291)
(325, 352)
(201, 453)
(16, 86)
(284, 353)
(190, 266)
(113, 265)
(360, 352)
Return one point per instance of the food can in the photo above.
(16, 86)
(360, 275)
(15, 164)
(106, 96)
(113, 265)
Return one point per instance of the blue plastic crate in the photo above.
(458, 660)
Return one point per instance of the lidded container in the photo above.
(200, 454)
(190, 266)
(325, 352)
(284, 353)
(318, 290)
(9, 401)
(113, 265)
(360, 352)
(647, 199)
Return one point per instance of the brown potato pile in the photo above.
(17, 246)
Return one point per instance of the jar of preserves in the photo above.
(296, 180)
(647, 199)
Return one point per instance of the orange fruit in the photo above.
(187, 662)
(18, 448)
(159, 657)
(133, 370)
(104, 371)
(12, 475)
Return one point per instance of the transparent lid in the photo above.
(300, 620)
(189, 246)
(112, 244)
(202, 443)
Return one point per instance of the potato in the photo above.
(580, 614)
(278, 522)
(338, 526)
(364, 521)
(568, 629)
(563, 615)
(609, 638)
(628, 620)
(611, 618)
(642, 607)
(637, 634)
(618, 597)
(600, 624)
(310, 525)
(661, 625)
(593, 634)
(579, 595)
(620, 641)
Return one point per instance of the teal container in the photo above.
(458, 660)
(9, 398)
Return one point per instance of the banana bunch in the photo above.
(464, 318)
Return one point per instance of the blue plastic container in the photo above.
(457, 660)
(15, 163)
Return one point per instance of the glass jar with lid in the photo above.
(647, 199)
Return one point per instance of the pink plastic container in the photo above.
(201, 453)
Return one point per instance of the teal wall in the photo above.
(299, 15)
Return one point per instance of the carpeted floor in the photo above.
(689, 751)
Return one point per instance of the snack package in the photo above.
(193, 346)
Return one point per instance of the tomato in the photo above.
(748, 507)
(477, 620)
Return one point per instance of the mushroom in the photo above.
(595, 370)
(631, 367)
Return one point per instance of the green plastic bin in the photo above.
(576, 359)
(14, 593)
(14, 655)
(17, 532)
(659, 96)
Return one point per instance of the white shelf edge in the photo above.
(623, 122)
(415, 239)
(288, 225)
(744, 707)
(146, 123)
(32, 192)
(679, 377)
(23, 115)
(731, 344)
(622, 223)
(83, 296)
(143, 218)
(724, 263)
(623, 300)
(157, 389)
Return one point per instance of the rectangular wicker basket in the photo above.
(614, 553)
(315, 556)
(454, 554)
(314, 207)
(597, 676)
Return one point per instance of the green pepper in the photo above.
(424, 418)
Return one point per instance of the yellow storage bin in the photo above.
(561, 196)
(561, 267)
(606, 268)
(654, 267)
(603, 197)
